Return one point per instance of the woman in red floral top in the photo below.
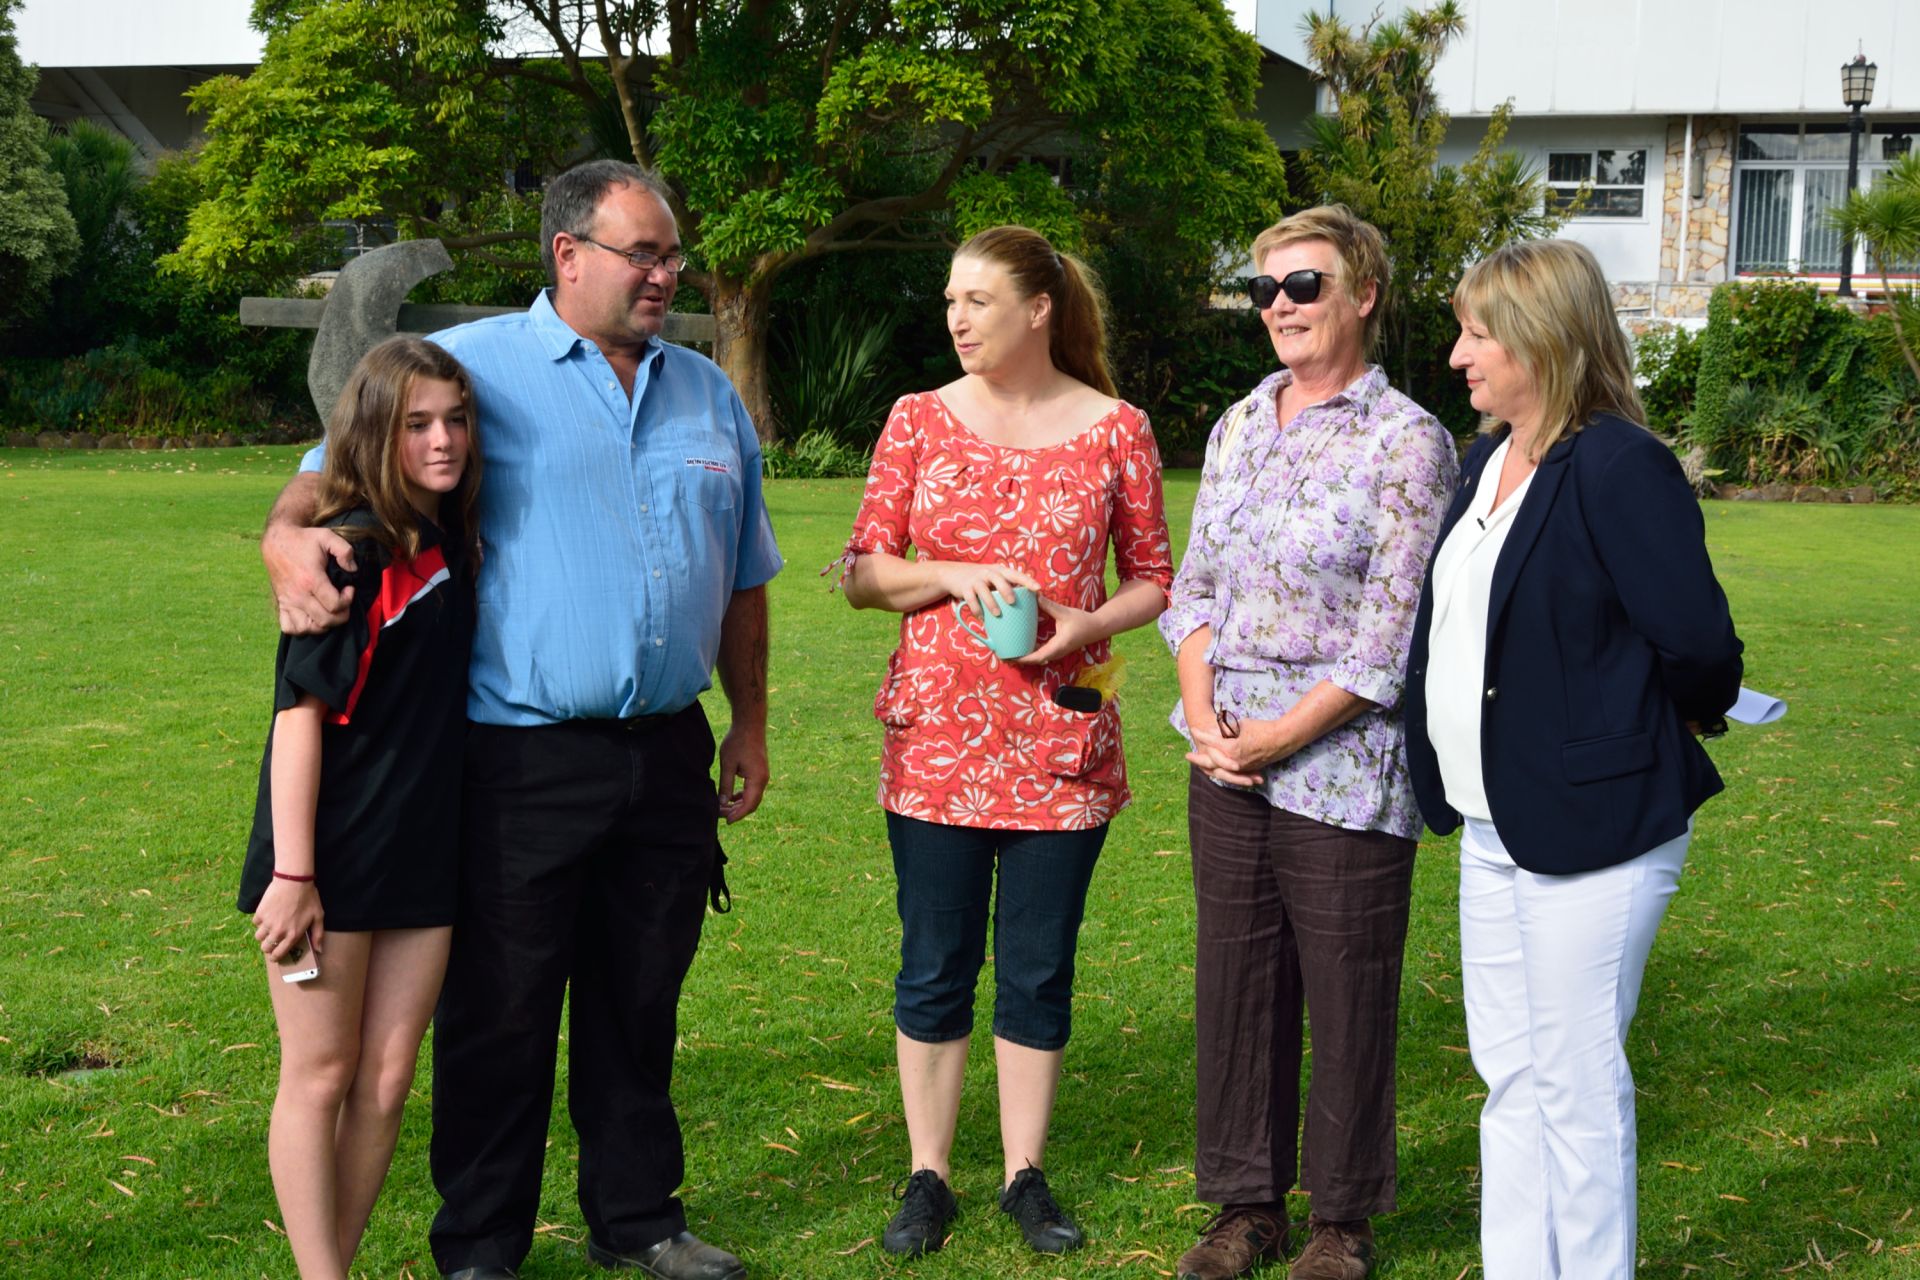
(1016, 475)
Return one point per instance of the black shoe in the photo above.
(926, 1208)
(481, 1273)
(1028, 1202)
(682, 1257)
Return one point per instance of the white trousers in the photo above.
(1551, 967)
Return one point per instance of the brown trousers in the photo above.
(1295, 913)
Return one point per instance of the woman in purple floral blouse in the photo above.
(1291, 616)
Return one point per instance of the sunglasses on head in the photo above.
(1301, 286)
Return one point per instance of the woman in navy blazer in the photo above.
(1571, 645)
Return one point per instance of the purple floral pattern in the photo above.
(1308, 548)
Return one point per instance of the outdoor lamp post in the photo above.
(1856, 90)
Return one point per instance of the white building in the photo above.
(127, 64)
(1713, 130)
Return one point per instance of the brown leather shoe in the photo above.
(1335, 1250)
(1237, 1241)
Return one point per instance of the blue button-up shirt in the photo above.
(616, 529)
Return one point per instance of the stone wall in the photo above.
(1709, 217)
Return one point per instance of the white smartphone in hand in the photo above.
(301, 963)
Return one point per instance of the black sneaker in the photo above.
(926, 1207)
(1028, 1202)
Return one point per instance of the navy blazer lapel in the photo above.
(1528, 522)
(1470, 471)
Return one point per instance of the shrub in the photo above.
(831, 377)
(117, 388)
(817, 455)
(119, 314)
(1790, 387)
(1667, 360)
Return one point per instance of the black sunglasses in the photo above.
(1301, 286)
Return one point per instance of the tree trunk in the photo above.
(740, 345)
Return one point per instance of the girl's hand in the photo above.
(1073, 630)
(289, 911)
(983, 586)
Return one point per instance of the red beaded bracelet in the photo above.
(283, 875)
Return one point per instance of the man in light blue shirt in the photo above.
(626, 552)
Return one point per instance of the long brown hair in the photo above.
(1547, 302)
(363, 448)
(1078, 327)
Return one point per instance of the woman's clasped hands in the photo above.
(1234, 751)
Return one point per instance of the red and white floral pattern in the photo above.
(972, 740)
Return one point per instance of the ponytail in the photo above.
(1079, 323)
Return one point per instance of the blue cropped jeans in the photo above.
(947, 892)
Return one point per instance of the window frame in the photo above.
(1592, 154)
(1801, 169)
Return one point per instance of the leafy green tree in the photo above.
(37, 237)
(1378, 153)
(787, 129)
(1887, 221)
(98, 172)
(364, 111)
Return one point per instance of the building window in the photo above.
(348, 239)
(1788, 177)
(1619, 181)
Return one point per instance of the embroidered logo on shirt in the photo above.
(711, 464)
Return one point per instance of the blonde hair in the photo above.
(1547, 303)
(363, 466)
(1362, 250)
(1078, 328)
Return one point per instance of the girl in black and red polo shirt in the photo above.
(350, 869)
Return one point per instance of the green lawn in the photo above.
(1778, 1046)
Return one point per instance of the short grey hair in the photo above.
(572, 199)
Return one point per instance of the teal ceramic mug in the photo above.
(1010, 633)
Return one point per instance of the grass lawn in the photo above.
(1777, 1049)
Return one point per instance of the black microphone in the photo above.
(1482, 523)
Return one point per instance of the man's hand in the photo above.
(296, 560)
(743, 675)
(743, 759)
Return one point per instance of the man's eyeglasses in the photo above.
(641, 259)
(1301, 286)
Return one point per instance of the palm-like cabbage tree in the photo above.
(1886, 220)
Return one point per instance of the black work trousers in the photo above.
(587, 849)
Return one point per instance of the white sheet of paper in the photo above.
(1754, 707)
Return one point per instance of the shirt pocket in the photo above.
(709, 487)
(1613, 756)
(897, 703)
(1073, 744)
